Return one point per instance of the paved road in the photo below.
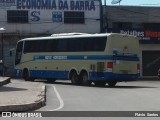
(130, 96)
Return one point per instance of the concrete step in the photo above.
(4, 80)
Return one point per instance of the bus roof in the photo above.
(72, 35)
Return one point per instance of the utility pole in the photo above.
(2, 31)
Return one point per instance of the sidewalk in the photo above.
(20, 95)
(4, 80)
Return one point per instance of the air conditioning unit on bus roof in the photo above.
(68, 34)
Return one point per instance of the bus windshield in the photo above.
(18, 53)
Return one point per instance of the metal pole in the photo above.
(2, 56)
(2, 30)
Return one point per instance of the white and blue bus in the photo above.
(81, 58)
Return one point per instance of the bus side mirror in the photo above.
(12, 52)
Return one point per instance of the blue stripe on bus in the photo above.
(92, 75)
(113, 76)
(83, 57)
(49, 74)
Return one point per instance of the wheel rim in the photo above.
(84, 78)
(74, 78)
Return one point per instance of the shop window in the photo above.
(151, 26)
(122, 25)
(15, 16)
(137, 26)
(74, 17)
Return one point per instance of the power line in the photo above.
(157, 4)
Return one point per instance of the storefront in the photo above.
(149, 49)
(142, 22)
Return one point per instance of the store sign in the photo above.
(56, 4)
(133, 32)
(35, 16)
(143, 35)
(57, 16)
(7, 3)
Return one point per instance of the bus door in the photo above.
(18, 53)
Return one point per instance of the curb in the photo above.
(27, 107)
(6, 81)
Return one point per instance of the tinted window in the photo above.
(15, 16)
(40, 46)
(73, 17)
(66, 45)
(86, 44)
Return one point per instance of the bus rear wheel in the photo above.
(51, 80)
(84, 79)
(74, 78)
(112, 83)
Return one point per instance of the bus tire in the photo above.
(112, 83)
(74, 78)
(84, 79)
(51, 80)
(26, 75)
(100, 83)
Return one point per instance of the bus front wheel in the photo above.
(26, 75)
(84, 79)
(74, 78)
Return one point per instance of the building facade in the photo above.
(50, 16)
(143, 22)
(27, 18)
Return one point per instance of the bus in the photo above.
(105, 58)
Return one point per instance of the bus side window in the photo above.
(62, 46)
(96, 45)
(32, 48)
(49, 46)
(26, 47)
(70, 45)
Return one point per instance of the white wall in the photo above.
(45, 23)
